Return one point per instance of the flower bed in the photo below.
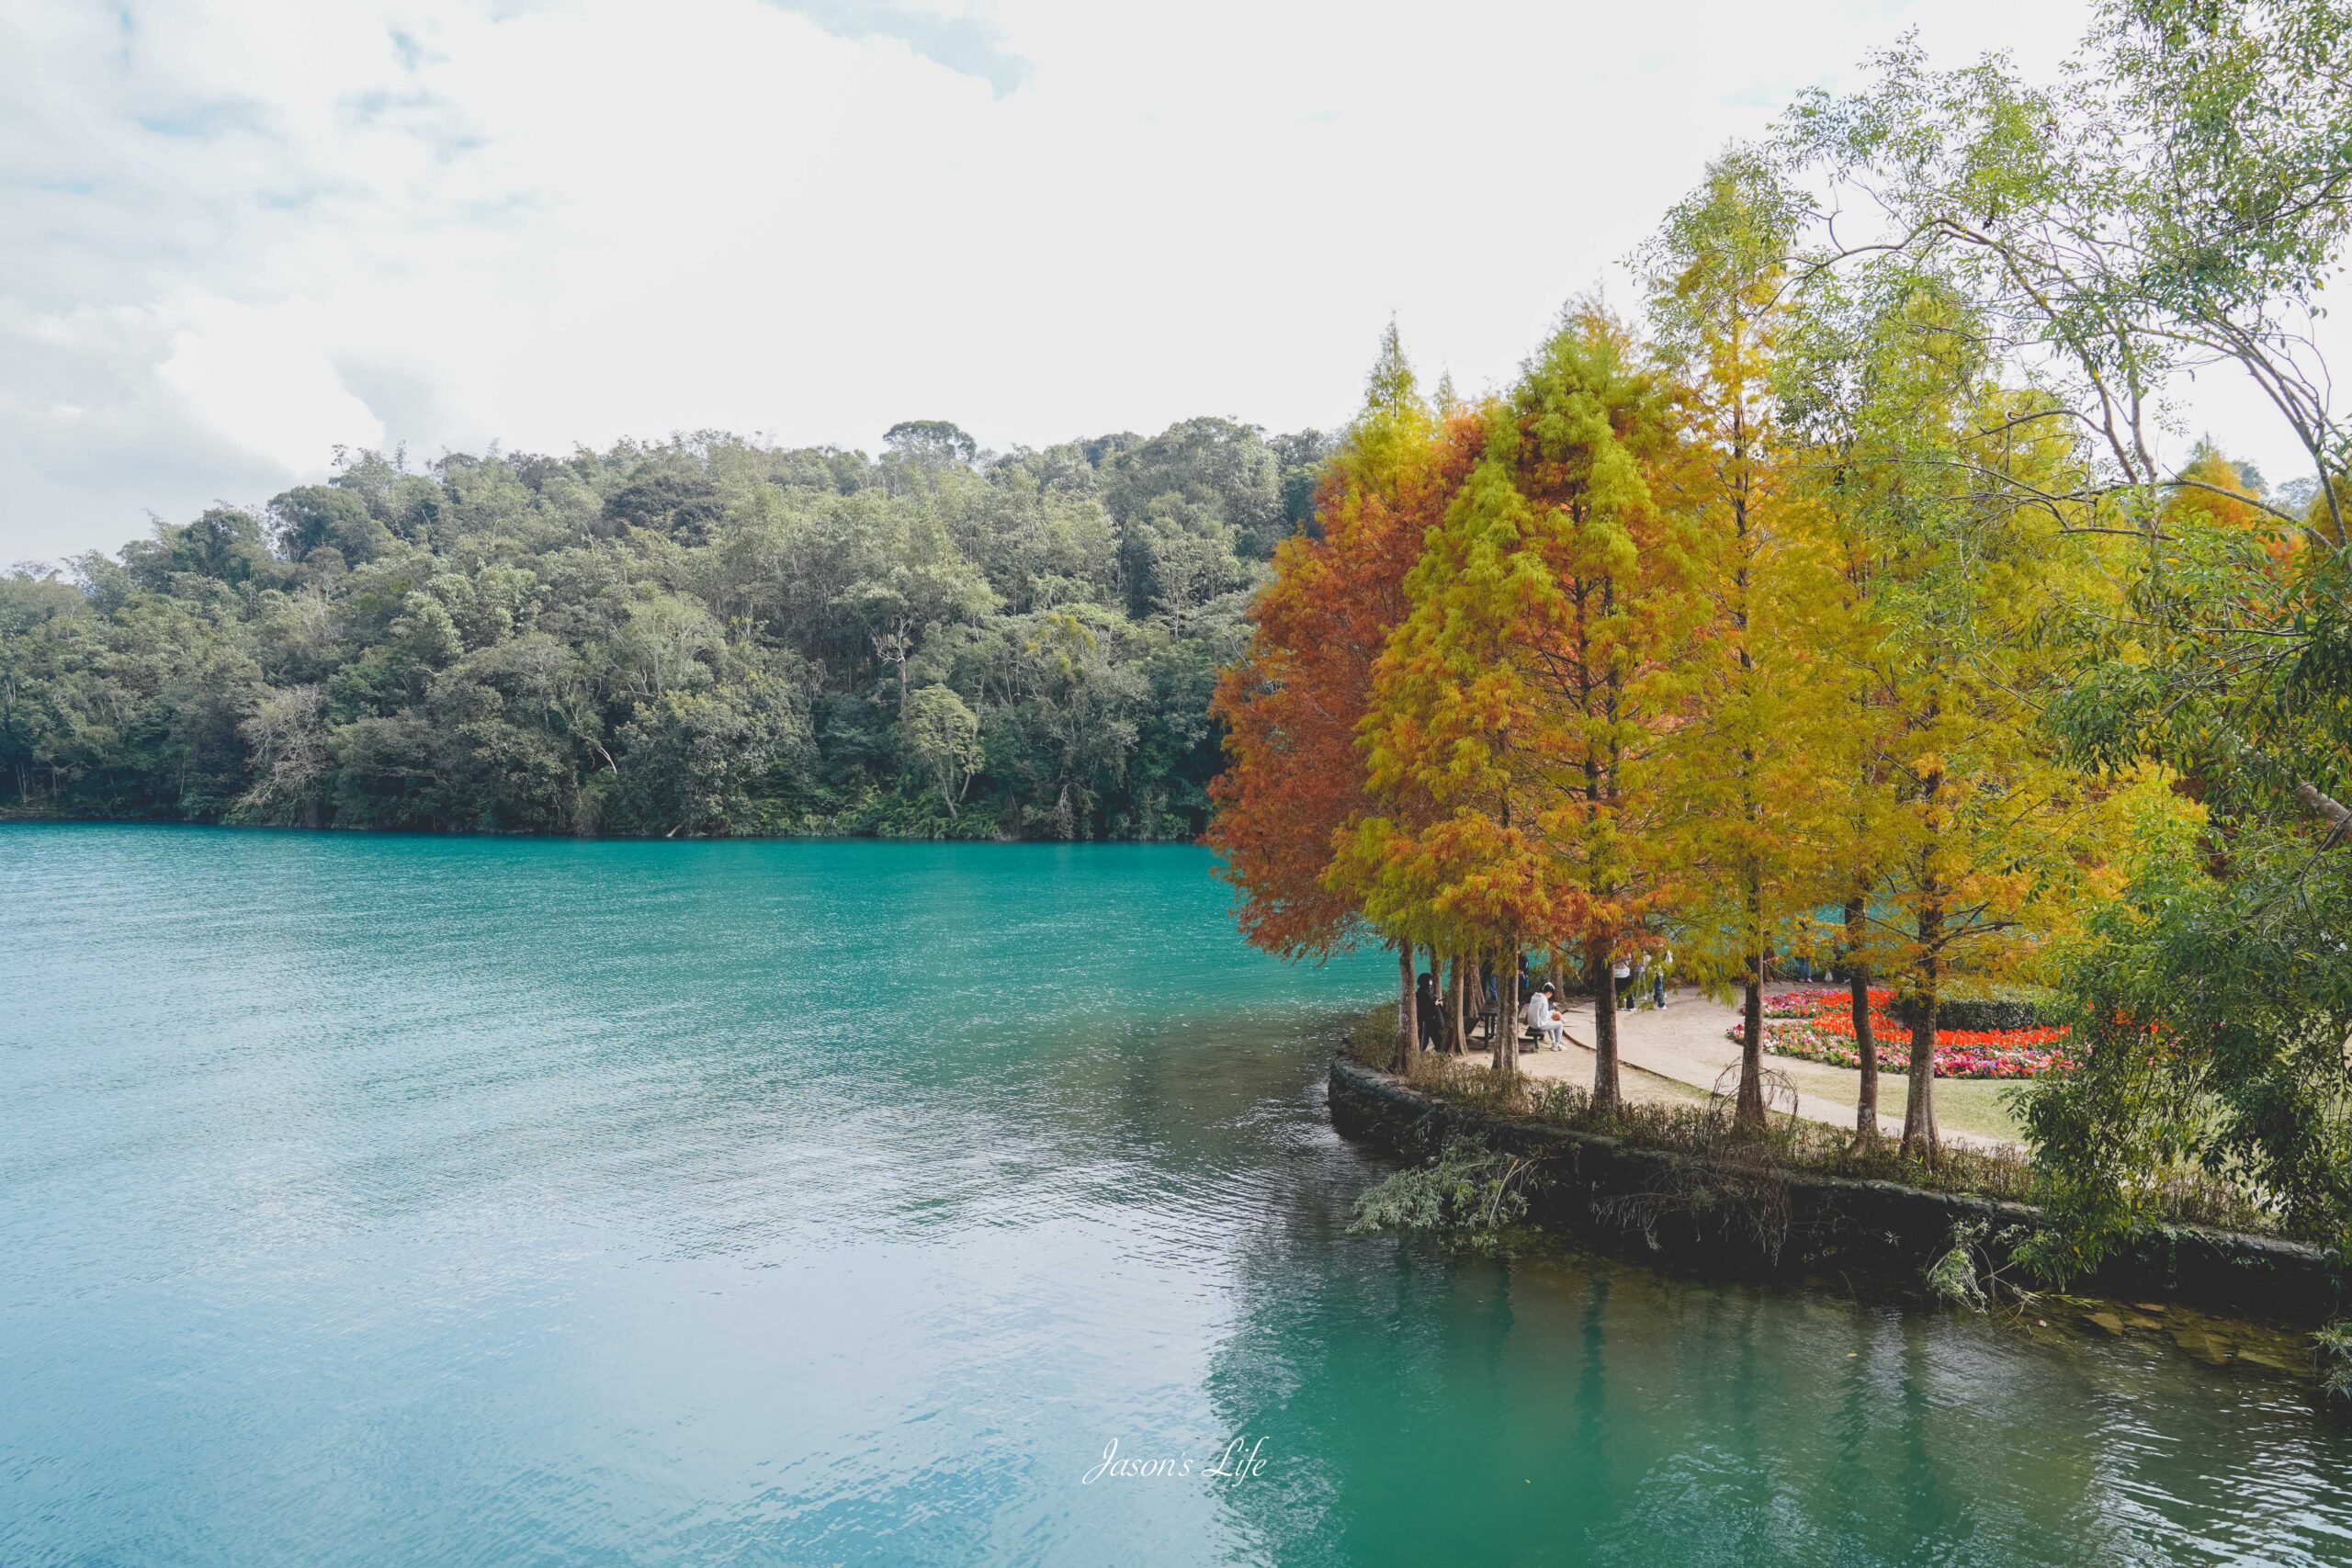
(1806, 1003)
(1818, 1026)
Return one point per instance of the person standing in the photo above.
(1658, 980)
(1429, 1012)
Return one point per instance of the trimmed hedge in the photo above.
(2014, 1011)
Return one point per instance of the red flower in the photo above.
(1818, 1026)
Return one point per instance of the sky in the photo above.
(237, 234)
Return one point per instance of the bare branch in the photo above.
(2328, 810)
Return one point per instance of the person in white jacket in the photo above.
(1549, 1026)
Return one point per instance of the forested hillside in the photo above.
(706, 637)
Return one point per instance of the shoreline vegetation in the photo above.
(1665, 1183)
(706, 637)
(1856, 601)
(1703, 1129)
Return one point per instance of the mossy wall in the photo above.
(1761, 1221)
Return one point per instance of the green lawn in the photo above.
(1964, 1105)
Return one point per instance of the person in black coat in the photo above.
(1430, 1013)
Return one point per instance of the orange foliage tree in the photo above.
(1291, 707)
(1516, 701)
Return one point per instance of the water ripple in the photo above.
(421, 1200)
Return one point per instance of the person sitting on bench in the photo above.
(1550, 1028)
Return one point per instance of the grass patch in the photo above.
(1978, 1107)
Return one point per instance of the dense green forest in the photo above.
(704, 637)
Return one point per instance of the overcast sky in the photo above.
(236, 234)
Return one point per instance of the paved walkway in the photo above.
(1684, 1047)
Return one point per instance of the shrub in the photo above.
(2013, 1010)
(1469, 1196)
(2334, 1344)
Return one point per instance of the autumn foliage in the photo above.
(1292, 707)
(1619, 661)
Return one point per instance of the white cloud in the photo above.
(234, 236)
(260, 375)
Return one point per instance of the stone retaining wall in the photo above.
(1765, 1221)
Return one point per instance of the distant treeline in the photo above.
(704, 636)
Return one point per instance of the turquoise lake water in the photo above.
(440, 1201)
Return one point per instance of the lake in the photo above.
(420, 1200)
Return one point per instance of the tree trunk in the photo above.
(902, 640)
(1506, 1058)
(1919, 1139)
(1747, 1106)
(1919, 1108)
(1606, 1090)
(1457, 1026)
(1858, 984)
(1747, 1109)
(1406, 1022)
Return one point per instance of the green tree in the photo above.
(482, 631)
(944, 736)
(2176, 212)
(1757, 714)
